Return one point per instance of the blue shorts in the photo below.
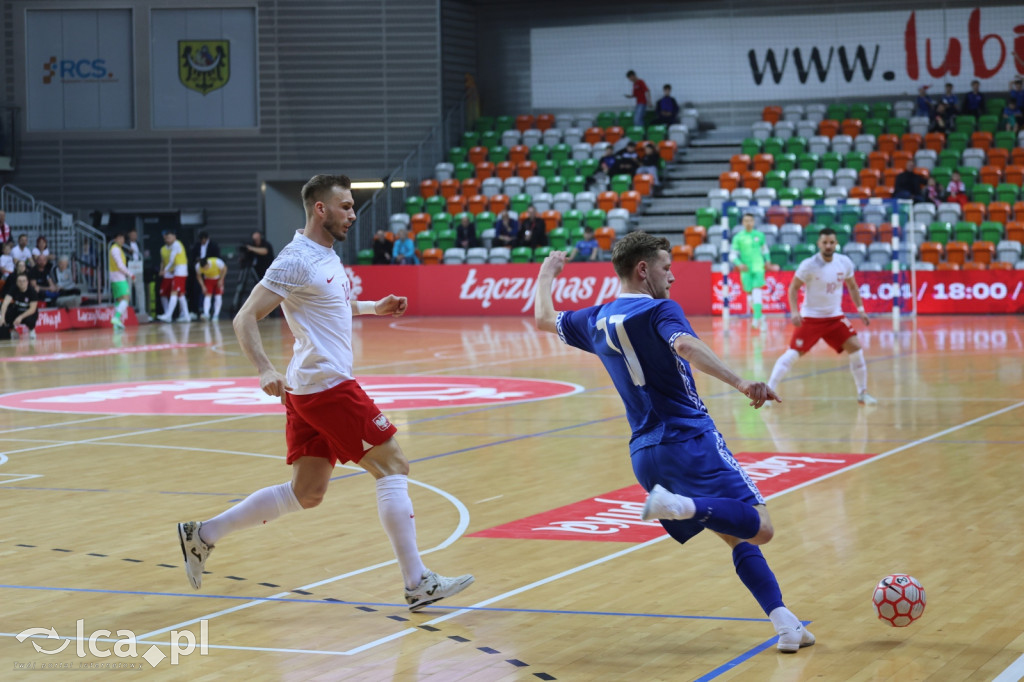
(699, 467)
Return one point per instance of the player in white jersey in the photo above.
(329, 418)
(821, 315)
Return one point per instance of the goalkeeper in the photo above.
(748, 255)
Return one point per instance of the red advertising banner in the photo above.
(60, 319)
(967, 291)
(509, 289)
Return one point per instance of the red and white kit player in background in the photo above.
(328, 416)
(821, 315)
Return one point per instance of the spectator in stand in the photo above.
(381, 248)
(42, 247)
(69, 295)
(9, 284)
(465, 233)
(942, 120)
(600, 179)
(949, 99)
(956, 191)
(667, 108)
(1015, 95)
(641, 94)
(974, 101)
(532, 232)
(650, 162)
(19, 307)
(21, 251)
(923, 106)
(908, 184)
(6, 261)
(404, 250)
(585, 249)
(39, 276)
(932, 192)
(505, 230)
(626, 161)
(5, 229)
(1011, 118)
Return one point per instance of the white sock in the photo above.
(206, 305)
(859, 369)
(756, 296)
(262, 506)
(166, 303)
(782, 617)
(396, 515)
(217, 301)
(183, 301)
(172, 303)
(121, 308)
(782, 367)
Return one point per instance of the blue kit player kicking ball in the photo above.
(648, 347)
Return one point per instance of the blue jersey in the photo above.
(634, 337)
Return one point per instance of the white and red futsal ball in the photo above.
(899, 600)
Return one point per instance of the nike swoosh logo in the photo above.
(331, 279)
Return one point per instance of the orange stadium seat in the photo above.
(1000, 266)
(729, 180)
(860, 192)
(1014, 175)
(524, 122)
(484, 170)
(923, 172)
(449, 188)
(910, 142)
(526, 169)
(518, 154)
(885, 233)
(888, 143)
(1015, 231)
(981, 139)
(1017, 156)
(998, 157)
(498, 204)
(956, 252)
(469, 187)
(613, 134)
(604, 236)
(477, 155)
(983, 252)
(889, 176)
(801, 215)
(681, 252)
(456, 204)
(753, 180)
(975, 266)
(694, 236)
(947, 266)
(428, 188)
(505, 169)
(476, 204)
(777, 215)
(974, 212)
(431, 256)
(593, 135)
(931, 252)
(606, 201)
(852, 127)
(419, 222)
(882, 192)
(999, 211)
(1018, 210)
(740, 163)
(828, 127)
(935, 141)
(545, 121)
(901, 158)
(552, 220)
(992, 175)
(667, 150)
(878, 160)
(772, 114)
(643, 183)
(630, 200)
(870, 177)
(864, 233)
(763, 163)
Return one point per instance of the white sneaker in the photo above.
(194, 551)
(117, 323)
(165, 318)
(792, 640)
(31, 333)
(433, 588)
(660, 504)
(865, 399)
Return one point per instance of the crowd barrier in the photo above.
(61, 319)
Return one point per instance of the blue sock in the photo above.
(752, 568)
(730, 517)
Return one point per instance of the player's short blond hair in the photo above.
(635, 247)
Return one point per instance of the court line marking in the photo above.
(455, 535)
(59, 424)
(1015, 671)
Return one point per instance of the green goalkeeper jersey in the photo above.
(748, 248)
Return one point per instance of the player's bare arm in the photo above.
(544, 313)
(851, 286)
(259, 304)
(699, 355)
(794, 288)
(389, 305)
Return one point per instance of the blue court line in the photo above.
(338, 602)
(742, 658)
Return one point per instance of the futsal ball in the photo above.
(898, 600)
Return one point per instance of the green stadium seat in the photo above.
(776, 179)
(414, 205)
(657, 133)
(774, 146)
(470, 139)
(779, 254)
(825, 216)
(635, 133)
(484, 124)
(625, 119)
(832, 160)
(948, 158)
(561, 152)
(874, 126)
(706, 217)
(445, 239)
(425, 240)
(855, 160)
(969, 175)
(497, 154)
(939, 231)
(796, 145)
(490, 139)
(811, 232)
(991, 231)
(464, 170)
(521, 254)
(942, 175)
(1005, 139)
(965, 124)
(752, 146)
(837, 111)
(520, 203)
(547, 169)
(595, 218)
(435, 205)
(808, 162)
(365, 257)
(815, 193)
(860, 111)
(965, 231)
(441, 221)
(484, 221)
(555, 184)
(558, 238)
(503, 123)
(844, 233)
(848, 215)
(983, 193)
(621, 183)
(572, 220)
(804, 251)
(988, 123)
(541, 252)
(589, 166)
(958, 141)
(788, 193)
(733, 214)
(576, 184)
(785, 162)
(897, 126)
(605, 119)
(882, 110)
(1008, 192)
(457, 154)
(575, 234)
(994, 105)
(539, 152)
(569, 168)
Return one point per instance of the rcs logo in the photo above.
(76, 70)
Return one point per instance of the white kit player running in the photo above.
(329, 418)
(821, 315)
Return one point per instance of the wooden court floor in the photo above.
(930, 487)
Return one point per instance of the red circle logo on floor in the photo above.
(243, 395)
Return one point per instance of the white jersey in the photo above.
(823, 285)
(316, 292)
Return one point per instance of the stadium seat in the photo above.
(971, 265)
(777, 215)
(779, 254)
(414, 205)
(534, 138)
(419, 223)
(880, 253)
(401, 221)
(682, 253)
(752, 179)
(939, 231)
(911, 142)
(982, 193)
(605, 237)
(935, 141)
(798, 178)
(454, 256)
(630, 201)
(999, 211)
(964, 231)
(595, 218)
(983, 252)
(819, 144)
(829, 127)
(535, 185)
(864, 233)
(856, 252)
(694, 235)
(791, 234)
(618, 220)
(763, 163)
(1008, 251)
(981, 140)
(740, 163)
(435, 205)
(456, 204)
(706, 253)
(852, 127)
(642, 183)
(869, 177)
(1007, 193)
(606, 201)
(771, 114)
